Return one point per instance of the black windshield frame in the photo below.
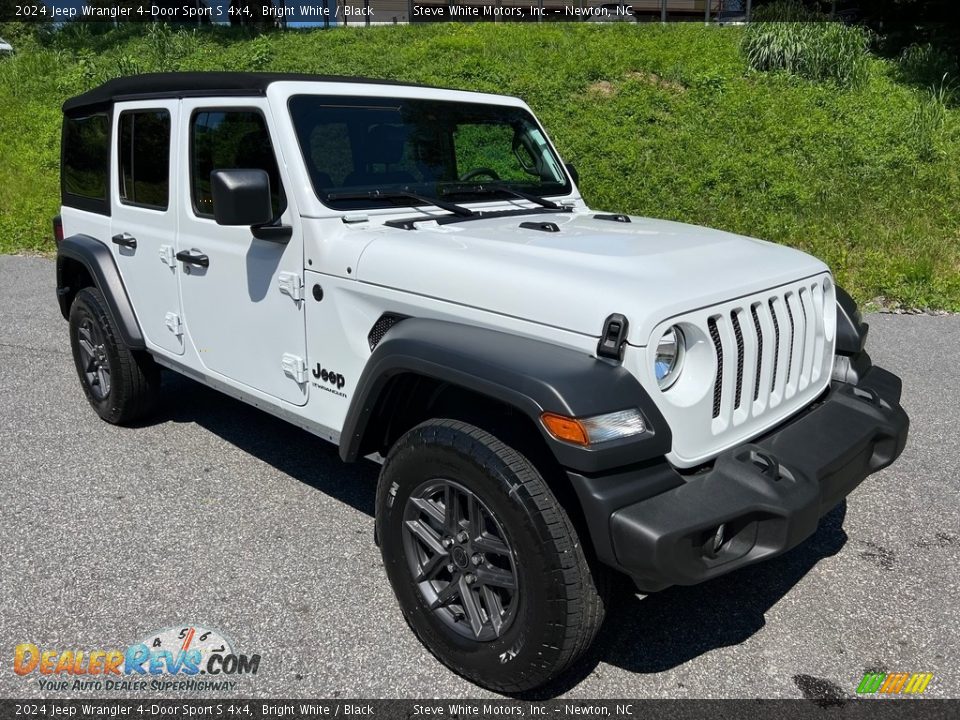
(438, 116)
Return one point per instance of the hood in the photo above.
(648, 270)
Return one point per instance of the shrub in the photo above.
(791, 39)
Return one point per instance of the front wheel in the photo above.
(486, 565)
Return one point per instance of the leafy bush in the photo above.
(792, 39)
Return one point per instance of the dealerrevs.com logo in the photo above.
(172, 659)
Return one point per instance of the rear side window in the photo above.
(225, 140)
(86, 162)
(144, 152)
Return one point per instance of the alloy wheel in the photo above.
(93, 356)
(461, 559)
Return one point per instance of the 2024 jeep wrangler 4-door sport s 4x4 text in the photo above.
(411, 273)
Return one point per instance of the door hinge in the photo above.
(291, 284)
(167, 256)
(174, 324)
(294, 367)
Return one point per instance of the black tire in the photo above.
(120, 384)
(556, 610)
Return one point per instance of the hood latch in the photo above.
(613, 339)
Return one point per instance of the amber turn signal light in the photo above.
(565, 428)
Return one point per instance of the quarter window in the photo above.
(144, 154)
(86, 146)
(230, 139)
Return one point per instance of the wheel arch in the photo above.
(84, 261)
(420, 361)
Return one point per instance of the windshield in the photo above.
(428, 147)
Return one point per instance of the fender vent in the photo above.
(718, 382)
(381, 326)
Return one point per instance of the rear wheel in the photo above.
(120, 384)
(485, 563)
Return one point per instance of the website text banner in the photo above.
(329, 13)
(251, 709)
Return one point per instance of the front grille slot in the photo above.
(718, 381)
(776, 346)
(738, 334)
(792, 335)
(759, 331)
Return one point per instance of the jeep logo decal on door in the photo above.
(328, 376)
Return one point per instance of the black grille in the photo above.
(381, 326)
(776, 345)
(718, 383)
(738, 333)
(756, 326)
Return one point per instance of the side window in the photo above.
(86, 153)
(144, 154)
(230, 139)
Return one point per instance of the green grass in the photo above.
(662, 121)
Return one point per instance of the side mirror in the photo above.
(572, 171)
(241, 197)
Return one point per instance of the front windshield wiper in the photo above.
(402, 193)
(488, 188)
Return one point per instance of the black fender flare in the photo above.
(99, 263)
(530, 375)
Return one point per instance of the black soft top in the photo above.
(196, 84)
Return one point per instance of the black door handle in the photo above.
(125, 240)
(189, 257)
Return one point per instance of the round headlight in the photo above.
(669, 357)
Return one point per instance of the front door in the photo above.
(243, 306)
(143, 223)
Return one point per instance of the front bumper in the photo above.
(661, 528)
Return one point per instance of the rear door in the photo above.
(143, 223)
(244, 310)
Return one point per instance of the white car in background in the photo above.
(5, 47)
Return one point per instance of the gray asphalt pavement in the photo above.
(216, 514)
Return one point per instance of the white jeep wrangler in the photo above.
(411, 273)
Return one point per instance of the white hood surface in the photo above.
(648, 270)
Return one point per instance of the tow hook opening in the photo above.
(729, 540)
